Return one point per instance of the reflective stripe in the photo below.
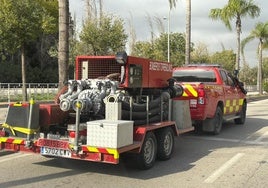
(233, 105)
(11, 140)
(114, 152)
(189, 91)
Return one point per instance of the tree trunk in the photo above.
(259, 78)
(188, 32)
(63, 52)
(23, 74)
(238, 31)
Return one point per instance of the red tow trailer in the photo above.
(116, 104)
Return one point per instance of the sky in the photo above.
(203, 29)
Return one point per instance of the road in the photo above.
(237, 158)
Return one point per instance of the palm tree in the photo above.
(188, 32)
(260, 32)
(172, 3)
(235, 9)
(63, 51)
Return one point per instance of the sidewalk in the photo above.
(5, 104)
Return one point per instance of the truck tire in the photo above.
(241, 120)
(217, 121)
(146, 158)
(214, 124)
(198, 128)
(165, 143)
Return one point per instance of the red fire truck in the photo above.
(116, 104)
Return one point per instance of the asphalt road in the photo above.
(237, 158)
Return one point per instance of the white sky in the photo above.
(213, 33)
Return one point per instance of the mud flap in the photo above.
(181, 114)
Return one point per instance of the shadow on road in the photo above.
(189, 149)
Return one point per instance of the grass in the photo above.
(36, 97)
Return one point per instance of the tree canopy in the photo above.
(21, 23)
(104, 36)
(157, 49)
(235, 10)
(260, 32)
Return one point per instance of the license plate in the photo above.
(55, 152)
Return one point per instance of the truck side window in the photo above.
(230, 81)
(224, 77)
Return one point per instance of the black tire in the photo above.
(217, 121)
(146, 158)
(165, 143)
(198, 128)
(241, 120)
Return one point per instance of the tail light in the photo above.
(201, 94)
(71, 136)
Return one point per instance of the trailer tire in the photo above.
(146, 158)
(165, 144)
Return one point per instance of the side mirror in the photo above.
(235, 73)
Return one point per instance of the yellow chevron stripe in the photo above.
(3, 139)
(110, 151)
(114, 152)
(190, 88)
(17, 141)
(93, 149)
(184, 94)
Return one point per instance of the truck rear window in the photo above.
(194, 75)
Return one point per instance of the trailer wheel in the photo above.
(241, 120)
(217, 121)
(165, 144)
(146, 158)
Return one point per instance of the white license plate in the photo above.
(55, 152)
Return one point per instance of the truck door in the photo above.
(231, 102)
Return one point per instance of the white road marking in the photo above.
(230, 140)
(213, 177)
(13, 156)
(261, 137)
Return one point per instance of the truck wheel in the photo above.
(146, 158)
(165, 144)
(242, 118)
(198, 128)
(217, 121)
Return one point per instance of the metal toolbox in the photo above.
(109, 133)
